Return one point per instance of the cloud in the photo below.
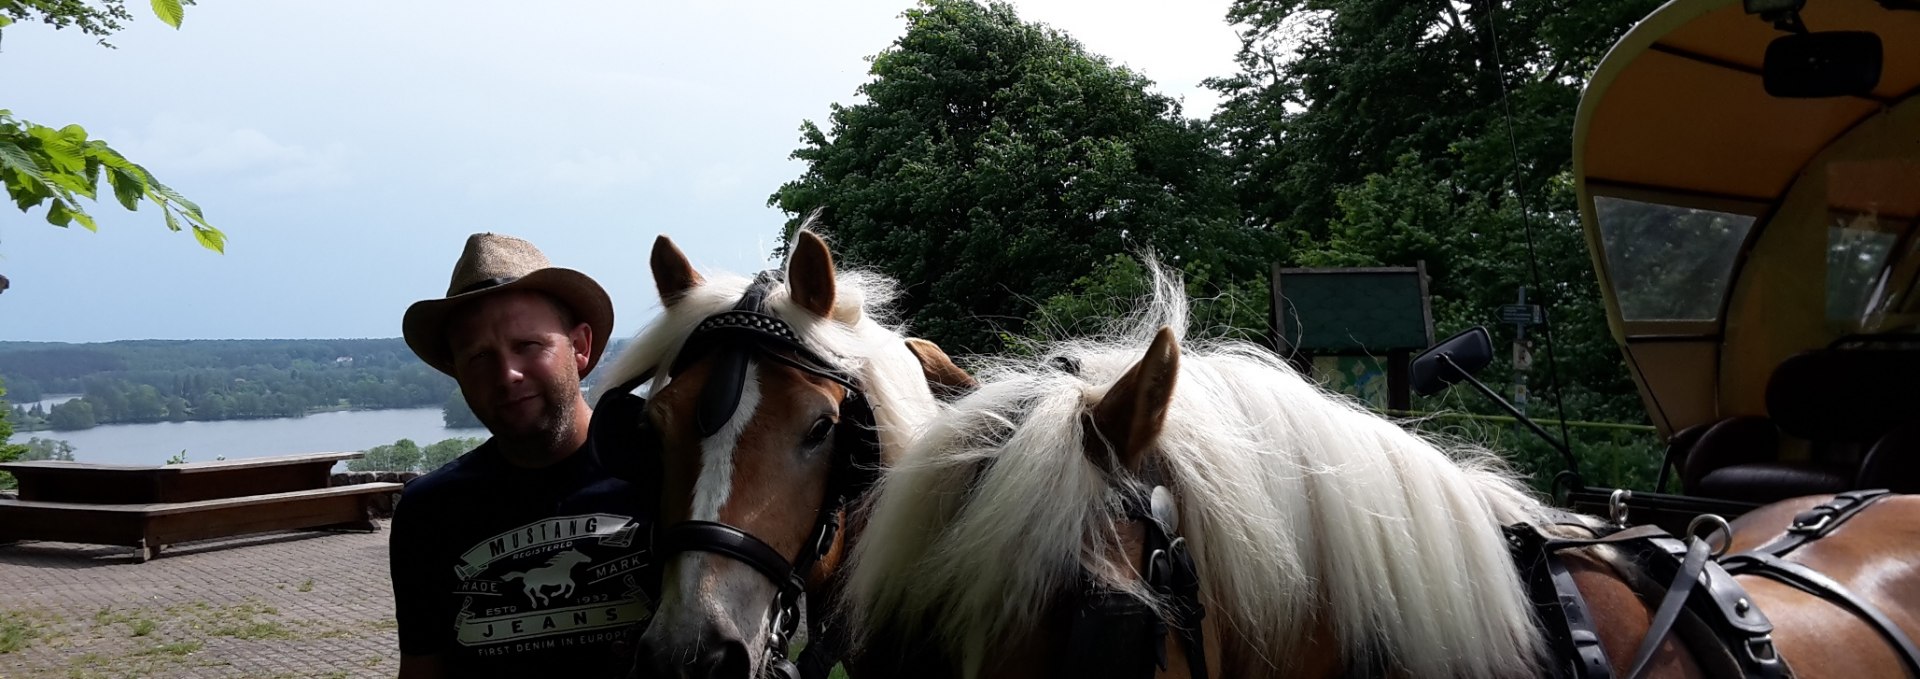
(172, 147)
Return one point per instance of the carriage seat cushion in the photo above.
(1894, 461)
(1765, 482)
(1844, 395)
(1729, 442)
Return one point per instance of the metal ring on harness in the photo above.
(1714, 521)
(1617, 506)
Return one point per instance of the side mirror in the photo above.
(1826, 64)
(1471, 351)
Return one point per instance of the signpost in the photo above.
(1353, 329)
(1521, 314)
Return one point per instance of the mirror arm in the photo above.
(1565, 453)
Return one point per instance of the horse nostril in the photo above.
(729, 661)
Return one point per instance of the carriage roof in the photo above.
(1730, 229)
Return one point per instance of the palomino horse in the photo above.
(767, 400)
(1327, 541)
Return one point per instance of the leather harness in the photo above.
(1697, 585)
(620, 422)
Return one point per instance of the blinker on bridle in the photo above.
(736, 336)
(1115, 633)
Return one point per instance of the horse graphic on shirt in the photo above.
(557, 573)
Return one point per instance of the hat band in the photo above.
(477, 286)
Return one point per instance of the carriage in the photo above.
(1748, 179)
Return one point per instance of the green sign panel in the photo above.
(1369, 311)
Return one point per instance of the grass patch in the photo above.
(18, 629)
(254, 630)
(142, 627)
(16, 633)
(307, 586)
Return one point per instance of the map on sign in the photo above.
(1528, 314)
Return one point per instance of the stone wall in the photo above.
(383, 504)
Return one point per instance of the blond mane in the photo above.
(1303, 510)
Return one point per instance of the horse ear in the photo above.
(673, 275)
(947, 379)
(810, 274)
(1133, 412)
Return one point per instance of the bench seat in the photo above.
(147, 527)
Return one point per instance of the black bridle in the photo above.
(734, 337)
(1115, 633)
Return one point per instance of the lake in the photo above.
(340, 431)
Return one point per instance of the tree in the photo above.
(400, 456)
(8, 451)
(41, 165)
(456, 414)
(1376, 132)
(74, 414)
(439, 454)
(995, 163)
(47, 449)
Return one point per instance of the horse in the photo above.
(1254, 524)
(768, 399)
(558, 572)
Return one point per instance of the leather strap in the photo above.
(1670, 606)
(1559, 607)
(1816, 523)
(720, 538)
(1812, 582)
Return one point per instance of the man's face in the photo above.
(518, 365)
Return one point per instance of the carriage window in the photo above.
(1668, 263)
(1873, 244)
(1857, 250)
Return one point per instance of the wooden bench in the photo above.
(147, 527)
(49, 481)
(147, 507)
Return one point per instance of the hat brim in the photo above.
(425, 324)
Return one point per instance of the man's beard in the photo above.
(546, 431)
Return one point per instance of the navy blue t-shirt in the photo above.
(508, 571)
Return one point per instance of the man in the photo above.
(522, 557)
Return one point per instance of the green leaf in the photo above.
(187, 205)
(58, 215)
(211, 238)
(169, 11)
(4, 22)
(17, 159)
(85, 219)
(127, 186)
(76, 183)
(172, 224)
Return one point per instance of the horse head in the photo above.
(772, 404)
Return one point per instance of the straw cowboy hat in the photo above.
(495, 263)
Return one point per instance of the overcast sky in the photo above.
(348, 148)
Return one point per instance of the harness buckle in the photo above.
(1761, 650)
(1813, 520)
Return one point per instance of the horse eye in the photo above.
(821, 428)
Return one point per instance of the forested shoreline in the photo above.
(141, 381)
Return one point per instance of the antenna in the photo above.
(1526, 217)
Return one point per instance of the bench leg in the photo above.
(364, 524)
(146, 551)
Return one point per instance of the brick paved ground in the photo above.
(280, 605)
